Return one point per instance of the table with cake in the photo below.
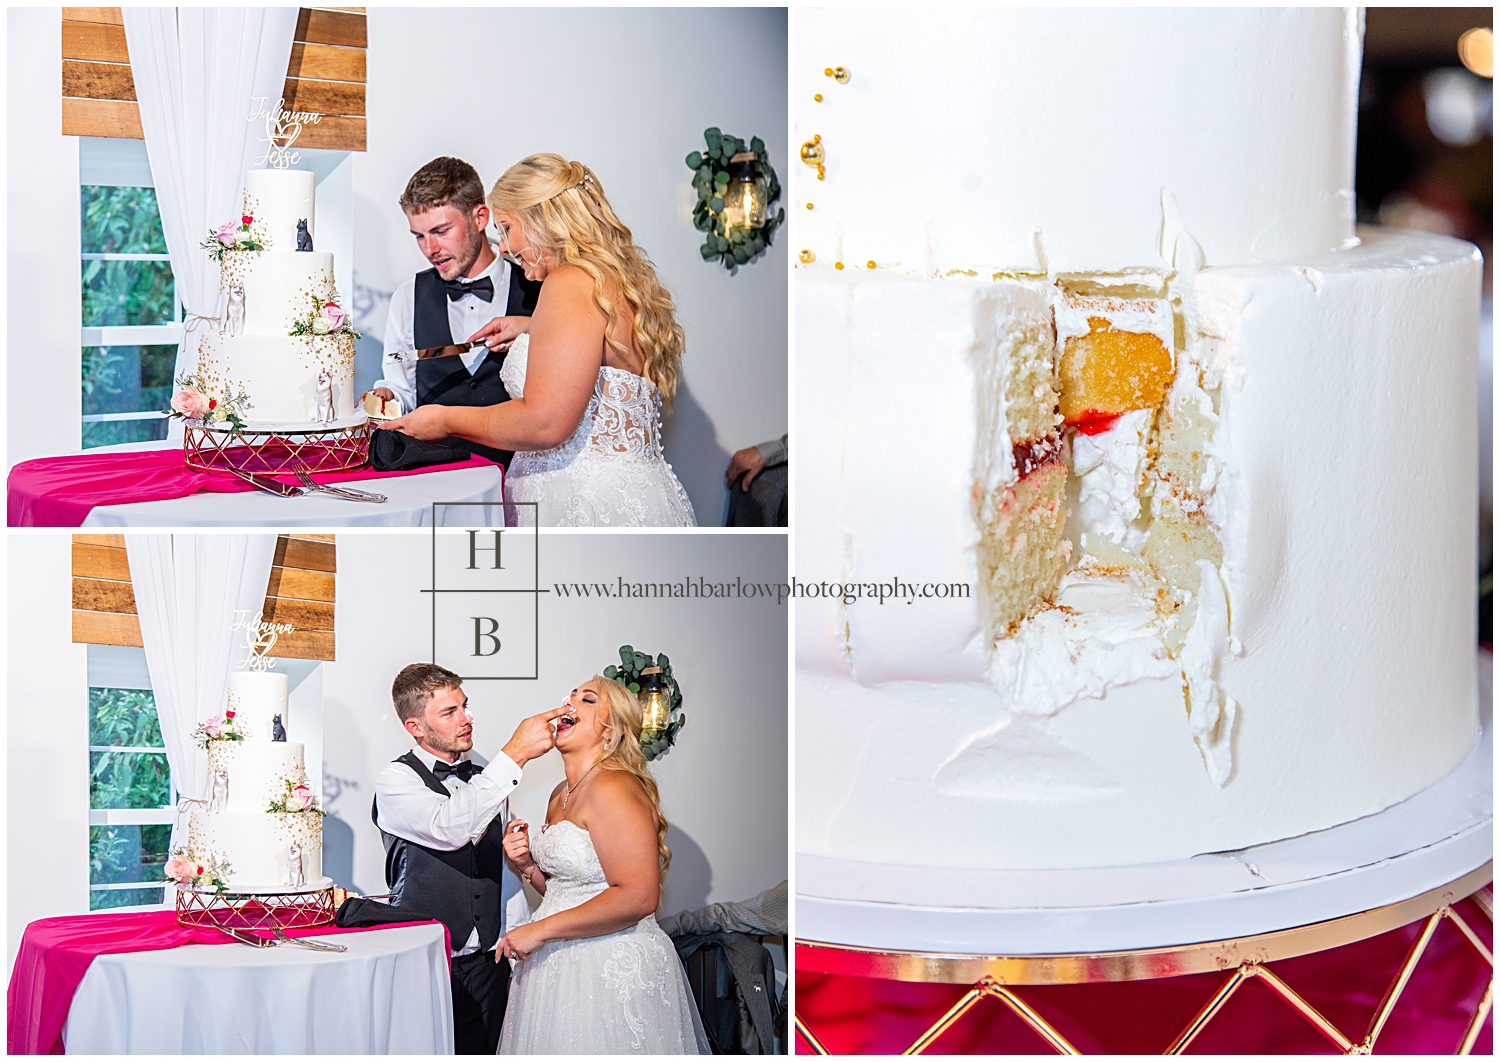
(1096, 340)
(249, 958)
(274, 432)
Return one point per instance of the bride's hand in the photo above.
(500, 333)
(521, 943)
(517, 845)
(424, 422)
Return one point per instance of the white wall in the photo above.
(723, 787)
(629, 92)
(44, 358)
(47, 758)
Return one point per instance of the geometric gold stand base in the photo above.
(994, 976)
(277, 453)
(264, 911)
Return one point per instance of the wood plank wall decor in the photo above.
(326, 74)
(300, 592)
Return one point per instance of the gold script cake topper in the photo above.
(282, 128)
(260, 637)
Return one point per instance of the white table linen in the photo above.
(388, 994)
(409, 504)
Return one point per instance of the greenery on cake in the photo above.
(326, 318)
(295, 799)
(732, 245)
(188, 868)
(231, 237)
(219, 728)
(628, 674)
(196, 402)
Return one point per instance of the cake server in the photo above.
(269, 485)
(315, 945)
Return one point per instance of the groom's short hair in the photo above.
(444, 181)
(416, 684)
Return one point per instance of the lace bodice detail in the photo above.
(623, 418)
(610, 473)
(565, 852)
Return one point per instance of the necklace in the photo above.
(569, 790)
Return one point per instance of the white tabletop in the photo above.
(388, 994)
(409, 503)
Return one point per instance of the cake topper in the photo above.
(294, 873)
(282, 128)
(304, 238)
(234, 312)
(278, 732)
(218, 800)
(260, 637)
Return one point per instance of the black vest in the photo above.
(461, 889)
(444, 380)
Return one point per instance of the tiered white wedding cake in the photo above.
(1097, 352)
(261, 829)
(284, 343)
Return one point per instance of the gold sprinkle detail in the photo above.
(838, 265)
(807, 257)
(809, 206)
(818, 97)
(828, 71)
(870, 264)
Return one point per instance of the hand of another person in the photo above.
(517, 845)
(534, 737)
(424, 422)
(747, 463)
(521, 943)
(500, 333)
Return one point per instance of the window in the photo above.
(132, 318)
(131, 795)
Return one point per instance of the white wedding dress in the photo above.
(621, 993)
(611, 473)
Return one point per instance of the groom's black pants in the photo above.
(480, 988)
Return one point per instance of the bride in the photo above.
(585, 415)
(594, 974)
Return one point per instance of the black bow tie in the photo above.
(465, 769)
(484, 287)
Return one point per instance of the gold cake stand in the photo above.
(277, 452)
(1242, 958)
(264, 911)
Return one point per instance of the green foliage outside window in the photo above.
(126, 853)
(124, 221)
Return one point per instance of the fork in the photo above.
(315, 945)
(348, 493)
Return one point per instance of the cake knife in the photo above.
(269, 485)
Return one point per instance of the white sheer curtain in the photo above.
(196, 71)
(187, 591)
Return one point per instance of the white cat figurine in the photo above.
(234, 312)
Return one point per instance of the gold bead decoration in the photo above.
(818, 97)
(820, 173)
(838, 265)
(828, 71)
(813, 153)
(870, 264)
(809, 206)
(807, 257)
(841, 75)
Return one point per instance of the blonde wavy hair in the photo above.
(622, 752)
(562, 210)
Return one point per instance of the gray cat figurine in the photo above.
(278, 732)
(304, 238)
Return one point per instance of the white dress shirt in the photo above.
(465, 317)
(410, 810)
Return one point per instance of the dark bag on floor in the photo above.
(395, 451)
(734, 982)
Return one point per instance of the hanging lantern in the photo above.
(656, 702)
(745, 200)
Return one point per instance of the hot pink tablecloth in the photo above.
(55, 953)
(857, 1015)
(60, 491)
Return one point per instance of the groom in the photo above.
(442, 818)
(434, 315)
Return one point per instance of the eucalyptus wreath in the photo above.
(628, 673)
(711, 180)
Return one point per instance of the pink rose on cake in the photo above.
(179, 870)
(303, 796)
(334, 315)
(227, 235)
(190, 402)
